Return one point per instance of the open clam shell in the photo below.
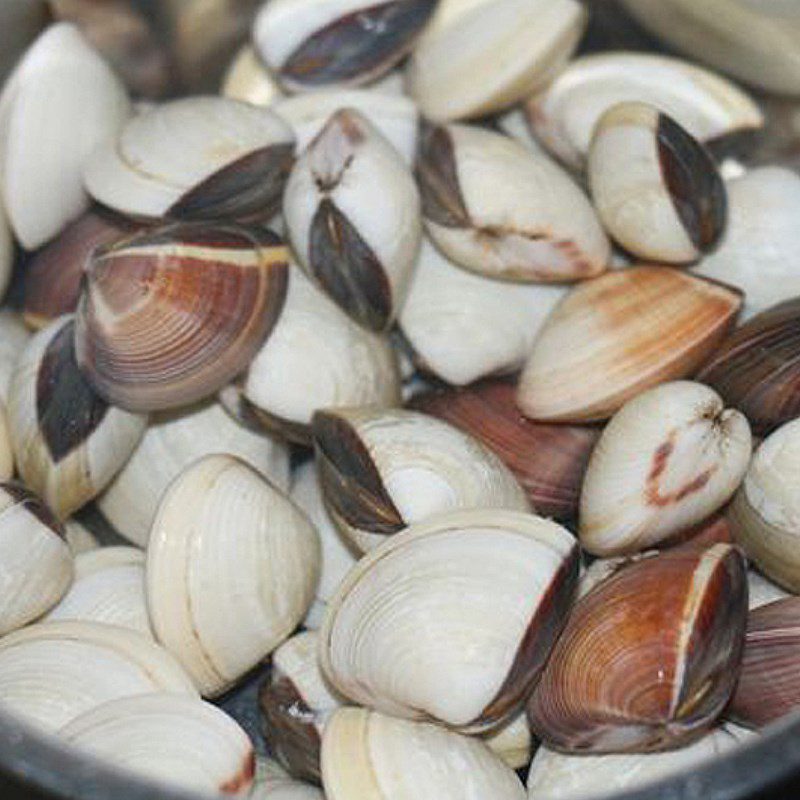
(540, 227)
(248, 80)
(195, 158)
(453, 619)
(564, 115)
(177, 741)
(648, 658)
(171, 315)
(227, 545)
(668, 459)
(68, 442)
(383, 469)
(611, 338)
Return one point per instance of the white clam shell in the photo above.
(247, 79)
(79, 538)
(272, 782)
(178, 741)
(52, 672)
(227, 545)
(172, 441)
(13, 338)
(61, 102)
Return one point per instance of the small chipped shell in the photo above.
(614, 337)
(248, 80)
(655, 187)
(13, 338)
(352, 210)
(541, 227)
(381, 470)
(314, 43)
(52, 672)
(668, 459)
(227, 545)
(60, 103)
(455, 72)
(180, 742)
(68, 442)
(272, 782)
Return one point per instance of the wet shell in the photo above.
(13, 338)
(68, 442)
(667, 460)
(352, 210)
(318, 357)
(708, 106)
(272, 782)
(61, 102)
(53, 672)
(308, 43)
(452, 620)
(616, 336)
(539, 228)
(549, 461)
(383, 469)
(649, 658)
(171, 315)
(226, 545)
(177, 741)
(248, 80)
(455, 72)
(172, 441)
(371, 756)
(195, 158)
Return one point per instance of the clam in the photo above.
(656, 188)
(384, 469)
(539, 228)
(668, 459)
(272, 782)
(317, 357)
(171, 315)
(295, 704)
(762, 242)
(513, 742)
(549, 461)
(765, 514)
(59, 104)
(108, 588)
(612, 338)
(757, 369)
(352, 211)
(309, 44)
(172, 441)
(564, 115)
(199, 158)
(178, 741)
(455, 71)
(761, 590)
(248, 80)
(453, 619)
(13, 338)
(68, 442)
(648, 658)
(370, 756)
(52, 672)
(78, 537)
(37, 563)
(227, 545)
(463, 326)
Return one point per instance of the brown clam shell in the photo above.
(649, 657)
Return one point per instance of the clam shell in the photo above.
(178, 741)
(668, 459)
(539, 228)
(53, 672)
(68, 442)
(352, 210)
(564, 115)
(648, 658)
(621, 334)
(383, 469)
(171, 315)
(371, 756)
(452, 620)
(227, 545)
(195, 158)
(455, 73)
(248, 80)
(272, 782)
(61, 102)
(13, 338)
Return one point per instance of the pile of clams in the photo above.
(441, 411)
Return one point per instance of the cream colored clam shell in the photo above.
(272, 782)
(13, 338)
(227, 546)
(247, 79)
